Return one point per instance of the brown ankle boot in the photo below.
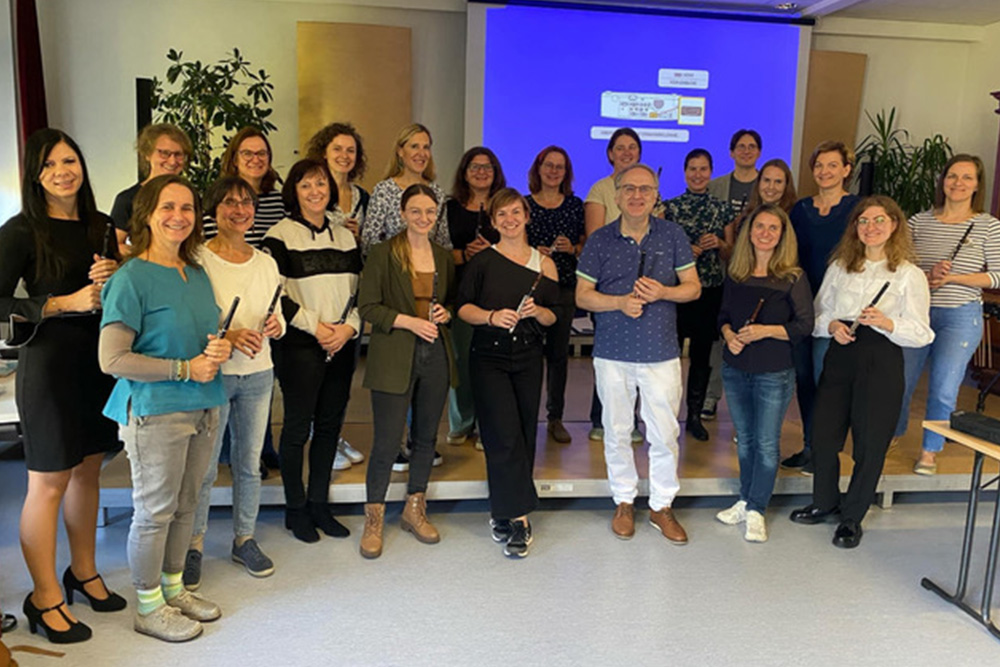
(371, 539)
(414, 520)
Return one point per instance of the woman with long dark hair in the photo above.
(55, 245)
(503, 295)
(406, 292)
(158, 337)
(874, 302)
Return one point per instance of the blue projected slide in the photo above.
(571, 77)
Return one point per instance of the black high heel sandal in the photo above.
(7, 623)
(113, 602)
(77, 632)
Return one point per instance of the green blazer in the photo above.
(386, 291)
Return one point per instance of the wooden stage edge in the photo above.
(576, 470)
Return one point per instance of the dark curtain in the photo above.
(29, 81)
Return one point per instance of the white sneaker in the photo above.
(169, 624)
(756, 527)
(341, 462)
(734, 515)
(345, 448)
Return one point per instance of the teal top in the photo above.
(171, 319)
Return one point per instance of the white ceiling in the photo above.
(969, 12)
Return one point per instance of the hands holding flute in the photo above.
(204, 367)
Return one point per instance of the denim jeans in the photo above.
(168, 455)
(957, 332)
(246, 412)
(758, 403)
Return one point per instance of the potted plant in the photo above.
(210, 103)
(904, 171)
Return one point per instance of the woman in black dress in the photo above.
(56, 245)
(502, 296)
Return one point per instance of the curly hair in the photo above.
(316, 148)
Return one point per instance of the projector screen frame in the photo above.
(475, 81)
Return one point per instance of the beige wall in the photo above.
(94, 49)
(937, 76)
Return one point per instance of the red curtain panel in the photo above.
(29, 81)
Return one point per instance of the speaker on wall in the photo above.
(143, 107)
(866, 180)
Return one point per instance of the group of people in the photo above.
(179, 339)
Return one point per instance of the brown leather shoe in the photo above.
(623, 524)
(665, 522)
(558, 431)
(371, 539)
(414, 520)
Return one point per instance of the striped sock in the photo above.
(149, 600)
(173, 584)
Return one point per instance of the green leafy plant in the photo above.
(904, 171)
(210, 103)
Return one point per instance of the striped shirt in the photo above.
(935, 241)
(270, 211)
(319, 270)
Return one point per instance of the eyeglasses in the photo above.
(878, 221)
(248, 154)
(644, 190)
(746, 147)
(553, 167)
(164, 154)
(236, 203)
(483, 168)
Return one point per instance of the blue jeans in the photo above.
(758, 403)
(246, 412)
(957, 332)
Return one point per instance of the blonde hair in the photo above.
(784, 262)
(850, 252)
(395, 167)
(145, 144)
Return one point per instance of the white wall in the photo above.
(937, 76)
(93, 50)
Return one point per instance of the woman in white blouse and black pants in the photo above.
(861, 387)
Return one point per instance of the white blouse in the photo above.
(906, 302)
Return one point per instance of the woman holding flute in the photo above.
(766, 308)
(873, 302)
(503, 296)
(406, 291)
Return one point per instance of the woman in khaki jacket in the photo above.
(407, 287)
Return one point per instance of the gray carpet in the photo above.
(581, 598)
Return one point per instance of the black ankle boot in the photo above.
(323, 519)
(298, 520)
(694, 426)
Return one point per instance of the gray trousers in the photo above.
(169, 455)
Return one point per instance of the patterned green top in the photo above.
(700, 214)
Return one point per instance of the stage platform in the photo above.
(576, 470)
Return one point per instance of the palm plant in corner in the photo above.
(211, 102)
(904, 171)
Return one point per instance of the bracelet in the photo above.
(489, 318)
(176, 370)
(187, 371)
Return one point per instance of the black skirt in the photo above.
(61, 392)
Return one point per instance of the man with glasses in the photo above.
(632, 273)
(736, 186)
